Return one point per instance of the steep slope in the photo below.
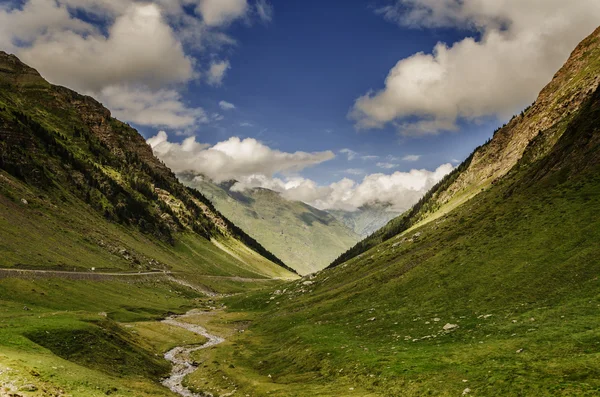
(81, 189)
(304, 237)
(367, 219)
(544, 121)
(498, 296)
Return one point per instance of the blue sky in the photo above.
(335, 103)
(296, 78)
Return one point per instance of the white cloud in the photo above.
(521, 44)
(36, 18)
(135, 50)
(387, 166)
(217, 117)
(264, 10)
(411, 157)
(226, 105)
(246, 124)
(140, 48)
(222, 12)
(354, 171)
(254, 164)
(143, 106)
(369, 157)
(401, 189)
(216, 72)
(232, 159)
(350, 153)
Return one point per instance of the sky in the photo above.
(337, 103)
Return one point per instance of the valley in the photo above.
(120, 277)
(304, 237)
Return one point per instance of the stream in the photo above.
(180, 356)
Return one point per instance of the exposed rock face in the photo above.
(570, 87)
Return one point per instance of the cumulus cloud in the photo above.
(411, 157)
(519, 46)
(221, 12)
(116, 49)
(143, 106)
(140, 48)
(253, 164)
(35, 18)
(216, 72)
(401, 189)
(234, 158)
(226, 105)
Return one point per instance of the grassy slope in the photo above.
(83, 338)
(76, 192)
(97, 197)
(305, 238)
(543, 122)
(367, 219)
(515, 268)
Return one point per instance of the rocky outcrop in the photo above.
(571, 86)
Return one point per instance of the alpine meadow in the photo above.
(259, 198)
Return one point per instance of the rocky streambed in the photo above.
(180, 356)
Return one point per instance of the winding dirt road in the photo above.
(180, 356)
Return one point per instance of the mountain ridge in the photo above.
(570, 87)
(306, 238)
(56, 140)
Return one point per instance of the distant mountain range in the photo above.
(367, 219)
(307, 239)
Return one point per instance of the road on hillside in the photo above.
(11, 272)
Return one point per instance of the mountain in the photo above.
(81, 189)
(540, 125)
(305, 238)
(367, 219)
(489, 286)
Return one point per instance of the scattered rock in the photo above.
(26, 308)
(436, 319)
(466, 391)
(520, 350)
(23, 201)
(28, 387)
(308, 283)
(372, 319)
(450, 327)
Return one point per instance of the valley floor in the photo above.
(56, 341)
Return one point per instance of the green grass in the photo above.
(517, 268)
(497, 264)
(47, 233)
(66, 333)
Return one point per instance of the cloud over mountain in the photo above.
(514, 51)
(234, 158)
(116, 49)
(253, 164)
